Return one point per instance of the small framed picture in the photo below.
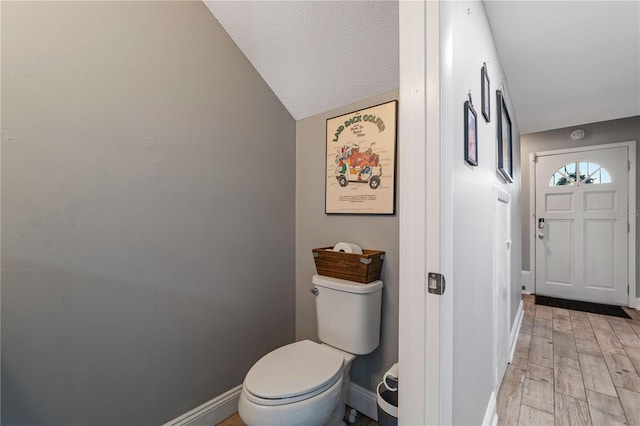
(486, 90)
(505, 155)
(470, 135)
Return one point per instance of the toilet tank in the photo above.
(348, 313)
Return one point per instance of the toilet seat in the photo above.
(293, 373)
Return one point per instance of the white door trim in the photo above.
(425, 344)
(632, 212)
(412, 187)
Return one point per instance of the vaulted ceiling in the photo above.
(569, 62)
(316, 55)
(566, 62)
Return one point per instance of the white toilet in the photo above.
(305, 383)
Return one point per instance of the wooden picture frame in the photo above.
(505, 144)
(486, 90)
(360, 173)
(470, 134)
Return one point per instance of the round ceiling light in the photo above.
(577, 134)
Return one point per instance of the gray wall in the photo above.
(623, 130)
(472, 254)
(148, 212)
(316, 229)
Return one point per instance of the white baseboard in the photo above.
(515, 330)
(363, 400)
(491, 415)
(526, 282)
(211, 412)
(223, 406)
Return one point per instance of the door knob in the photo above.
(541, 236)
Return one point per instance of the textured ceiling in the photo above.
(566, 62)
(316, 55)
(569, 62)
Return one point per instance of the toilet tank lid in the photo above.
(344, 285)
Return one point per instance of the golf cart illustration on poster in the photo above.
(357, 166)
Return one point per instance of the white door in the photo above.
(502, 283)
(582, 225)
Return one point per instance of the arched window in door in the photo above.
(582, 172)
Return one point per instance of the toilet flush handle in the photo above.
(314, 291)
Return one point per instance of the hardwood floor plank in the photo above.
(582, 329)
(624, 332)
(527, 325)
(599, 322)
(605, 410)
(609, 342)
(564, 345)
(588, 346)
(538, 388)
(510, 395)
(361, 420)
(562, 324)
(567, 377)
(543, 328)
(578, 315)
(544, 312)
(634, 313)
(635, 325)
(233, 420)
(521, 354)
(622, 372)
(560, 312)
(529, 416)
(596, 375)
(541, 351)
(571, 411)
(631, 405)
(634, 357)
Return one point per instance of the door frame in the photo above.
(425, 342)
(631, 213)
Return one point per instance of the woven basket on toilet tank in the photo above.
(361, 268)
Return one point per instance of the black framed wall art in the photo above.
(470, 134)
(486, 93)
(505, 144)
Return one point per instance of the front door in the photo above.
(582, 225)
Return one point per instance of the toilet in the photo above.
(305, 383)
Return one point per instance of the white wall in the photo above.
(467, 43)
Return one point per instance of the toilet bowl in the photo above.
(304, 383)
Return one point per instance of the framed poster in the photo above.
(360, 170)
(505, 156)
(470, 135)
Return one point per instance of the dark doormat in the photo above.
(596, 308)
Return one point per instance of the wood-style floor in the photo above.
(569, 368)
(361, 420)
(572, 368)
